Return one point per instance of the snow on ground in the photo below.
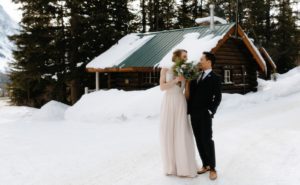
(111, 138)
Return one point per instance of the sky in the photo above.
(11, 9)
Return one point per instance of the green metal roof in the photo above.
(152, 52)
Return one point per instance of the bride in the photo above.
(176, 136)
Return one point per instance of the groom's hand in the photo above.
(210, 113)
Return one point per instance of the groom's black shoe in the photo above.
(204, 169)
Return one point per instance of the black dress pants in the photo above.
(202, 128)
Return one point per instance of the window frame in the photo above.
(227, 76)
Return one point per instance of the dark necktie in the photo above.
(199, 79)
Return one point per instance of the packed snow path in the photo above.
(257, 140)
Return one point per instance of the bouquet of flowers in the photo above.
(186, 69)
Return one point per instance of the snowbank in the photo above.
(51, 111)
(8, 113)
(287, 84)
(120, 51)
(116, 105)
(122, 105)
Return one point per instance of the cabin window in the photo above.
(151, 78)
(227, 77)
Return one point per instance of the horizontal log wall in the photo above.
(130, 80)
(234, 56)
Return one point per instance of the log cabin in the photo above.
(133, 63)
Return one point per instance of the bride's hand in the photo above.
(180, 78)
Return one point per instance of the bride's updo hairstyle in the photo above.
(177, 54)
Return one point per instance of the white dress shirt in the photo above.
(206, 72)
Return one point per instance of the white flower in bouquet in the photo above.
(186, 69)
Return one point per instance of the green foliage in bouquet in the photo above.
(186, 69)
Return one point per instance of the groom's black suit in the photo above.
(205, 96)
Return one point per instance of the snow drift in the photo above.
(116, 105)
(51, 111)
(122, 105)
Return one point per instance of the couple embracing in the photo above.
(198, 98)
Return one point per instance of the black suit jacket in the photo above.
(206, 95)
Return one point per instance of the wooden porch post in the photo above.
(97, 81)
(109, 81)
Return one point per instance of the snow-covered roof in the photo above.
(151, 49)
(195, 46)
(257, 53)
(120, 51)
(155, 49)
(269, 58)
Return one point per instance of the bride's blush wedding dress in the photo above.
(176, 135)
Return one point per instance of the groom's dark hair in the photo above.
(210, 56)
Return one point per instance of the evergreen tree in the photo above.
(254, 20)
(197, 8)
(161, 14)
(57, 40)
(277, 32)
(37, 67)
(185, 14)
(93, 32)
(144, 15)
(223, 8)
(287, 38)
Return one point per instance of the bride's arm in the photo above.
(187, 89)
(162, 81)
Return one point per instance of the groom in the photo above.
(204, 96)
